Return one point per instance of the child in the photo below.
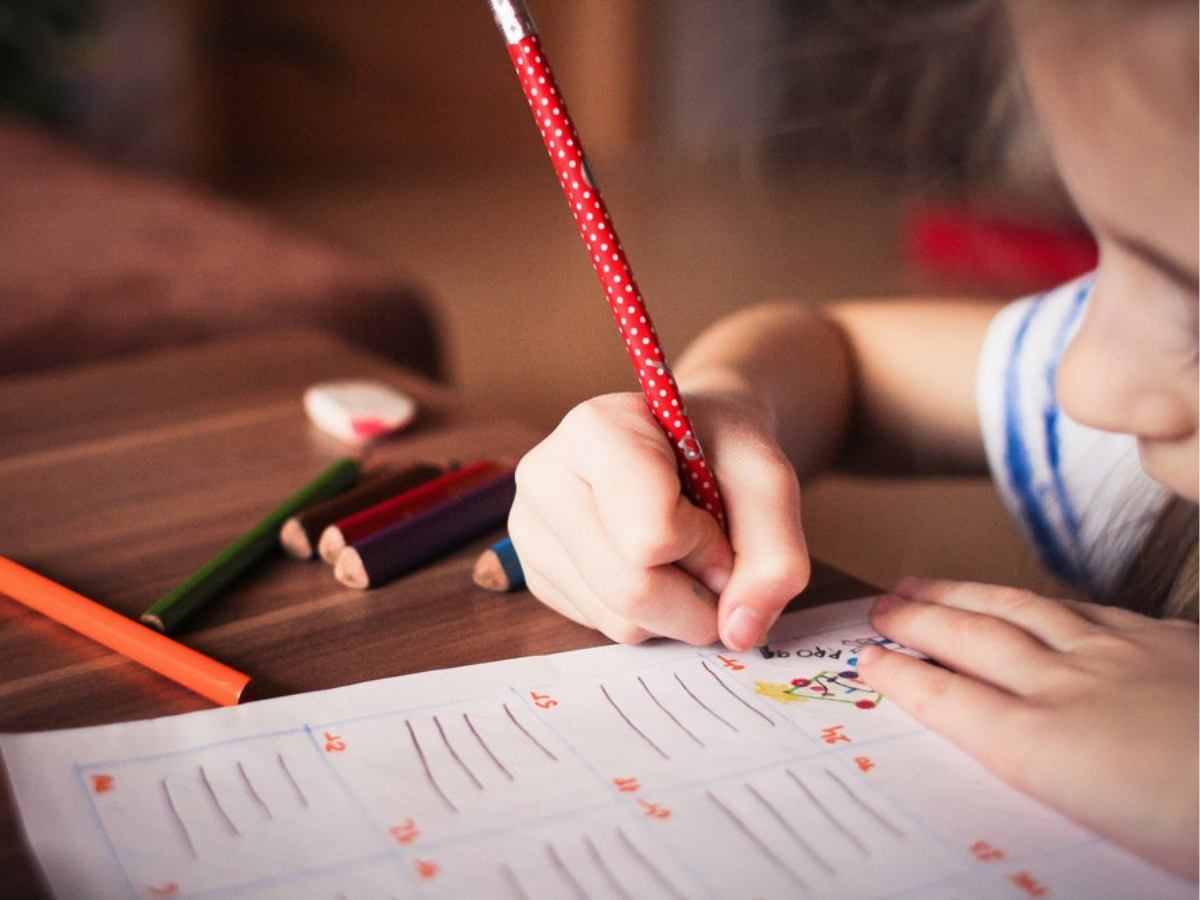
(1091, 708)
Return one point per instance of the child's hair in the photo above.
(926, 86)
(1161, 579)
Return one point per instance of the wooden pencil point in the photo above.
(294, 540)
(350, 571)
(489, 573)
(331, 544)
(154, 622)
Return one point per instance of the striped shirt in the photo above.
(1079, 495)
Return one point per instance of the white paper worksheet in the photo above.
(653, 771)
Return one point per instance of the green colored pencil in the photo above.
(171, 610)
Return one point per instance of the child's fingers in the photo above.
(710, 559)
(623, 456)
(971, 643)
(1051, 621)
(771, 563)
(662, 599)
(613, 445)
(974, 715)
(1109, 616)
(551, 578)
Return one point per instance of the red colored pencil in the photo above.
(354, 528)
(605, 251)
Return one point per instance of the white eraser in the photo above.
(358, 411)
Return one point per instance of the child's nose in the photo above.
(1108, 383)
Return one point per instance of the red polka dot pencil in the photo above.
(605, 251)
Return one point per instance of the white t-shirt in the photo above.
(1080, 495)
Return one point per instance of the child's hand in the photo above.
(606, 537)
(1091, 709)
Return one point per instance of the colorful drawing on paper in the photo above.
(839, 687)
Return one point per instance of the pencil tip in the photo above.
(489, 573)
(154, 622)
(294, 540)
(350, 571)
(331, 544)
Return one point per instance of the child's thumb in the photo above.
(771, 563)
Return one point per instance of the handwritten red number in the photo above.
(103, 783)
(732, 664)
(1027, 883)
(333, 743)
(985, 852)
(405, 833)
(627, 785)
(835, 735)
(864, 763)
(427, 868)
(654, 810)
(543, 701)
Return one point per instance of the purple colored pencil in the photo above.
(391, 552)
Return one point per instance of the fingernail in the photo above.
(908, 586)
(744, 628)
(886, 602)
(870, 653)
(715, 579)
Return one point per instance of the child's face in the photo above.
(1115, 87)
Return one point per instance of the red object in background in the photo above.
(1004, 252)
(606, 253)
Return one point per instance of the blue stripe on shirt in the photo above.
(1017, 459)
(1050, 419)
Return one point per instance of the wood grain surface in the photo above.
(119, 480)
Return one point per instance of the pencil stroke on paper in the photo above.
(252, 792)
(670, 715)
(216, 802)
(454, 754)
(862, 804)
(525, 731)
(605, 869)
(829, 816)
(704, 706)
(437, 788)
(763, 847)
(620, 712)
(180, 826)
(291, 779)
(566, 874)
(732, 693)
(514, 883)
(790, 829)
(649, 867)
(486, 749)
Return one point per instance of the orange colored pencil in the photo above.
(131, 639)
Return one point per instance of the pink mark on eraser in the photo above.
(358, 411)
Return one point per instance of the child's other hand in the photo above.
(606, 537)
(1091, 709)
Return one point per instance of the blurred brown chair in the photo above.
(97, 263)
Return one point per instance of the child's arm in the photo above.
(1091, 709)
(877, 386)
(603, 532)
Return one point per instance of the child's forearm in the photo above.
(788, 366)
(873, 386)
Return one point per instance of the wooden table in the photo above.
(119, 480)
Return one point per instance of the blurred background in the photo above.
(180, 170)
